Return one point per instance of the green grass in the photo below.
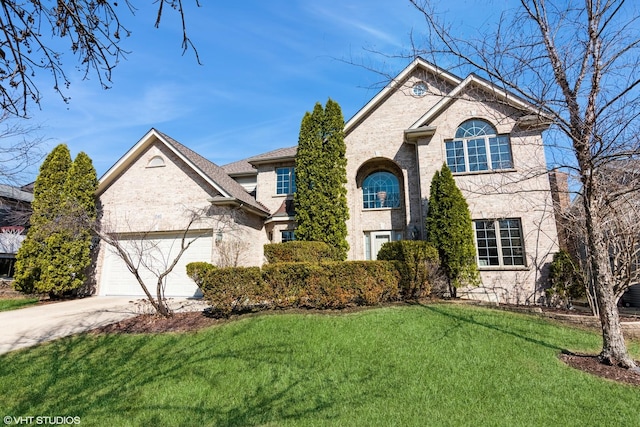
(405, 366)
(15, 303)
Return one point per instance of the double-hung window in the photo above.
(499, 242)
(477, 147)
(285, 180)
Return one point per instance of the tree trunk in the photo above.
(614, 350)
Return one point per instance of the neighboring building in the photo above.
(425, 117)
(15, 209)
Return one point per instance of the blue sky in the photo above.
(264, 63)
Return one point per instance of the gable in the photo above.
(153, 191)
(399, 95)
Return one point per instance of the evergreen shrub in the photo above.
(300, 251)
(198, 270)
(566, 282)
(418, 265)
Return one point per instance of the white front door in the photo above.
(373, 241)
(379, 238)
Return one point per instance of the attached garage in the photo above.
(160, 251)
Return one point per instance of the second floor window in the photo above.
(285, 180)
(380, 190)
(478, 147)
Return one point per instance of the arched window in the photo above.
(380, 190)
(478, 147)
(156, 162)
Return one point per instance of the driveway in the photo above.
(32, 325)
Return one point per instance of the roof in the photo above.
(281, 154)
(241, 167)
(10, 192)
(229, 189)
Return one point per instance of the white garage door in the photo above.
(116, 279)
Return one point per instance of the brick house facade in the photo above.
(425, 117)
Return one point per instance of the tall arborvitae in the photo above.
(309, 176)
(321, 195)
(56, 252)
(47, 208)
(450, 230)
(69, 247)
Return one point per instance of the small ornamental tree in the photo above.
(321, 195)
(450, 230)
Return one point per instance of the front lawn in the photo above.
(405, 366)
(15, 303)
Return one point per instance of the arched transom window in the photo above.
(478, 147)
(380, 190)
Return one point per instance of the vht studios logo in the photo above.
(41, 420)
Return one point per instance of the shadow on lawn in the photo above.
(507, 331)
(83, 376)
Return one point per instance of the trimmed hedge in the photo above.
(197, 270)
(418, 265)
(232, 289)
(300, 251)
(329, 285)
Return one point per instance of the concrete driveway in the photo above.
(32, 325)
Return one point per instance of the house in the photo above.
(15, 209)
(491, 140)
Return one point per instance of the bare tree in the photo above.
(230, 243)
(92, 29)
(577, 62)
(20, 149)
(140, 251)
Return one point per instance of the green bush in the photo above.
(232, 289)
(565, 280)
(418, 265)
(198, 270)
(299, 251)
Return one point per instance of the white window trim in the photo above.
(465, 149)
(501, 265)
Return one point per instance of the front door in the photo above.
(374, 241)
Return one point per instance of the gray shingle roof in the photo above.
(216, 173)
(280, 153)
(241, 167)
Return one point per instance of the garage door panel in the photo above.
(158, 253)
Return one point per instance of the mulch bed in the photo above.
(193, 321)
(589, 363)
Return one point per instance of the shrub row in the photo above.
(299, 251)
(418, 264)
(324, 285)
